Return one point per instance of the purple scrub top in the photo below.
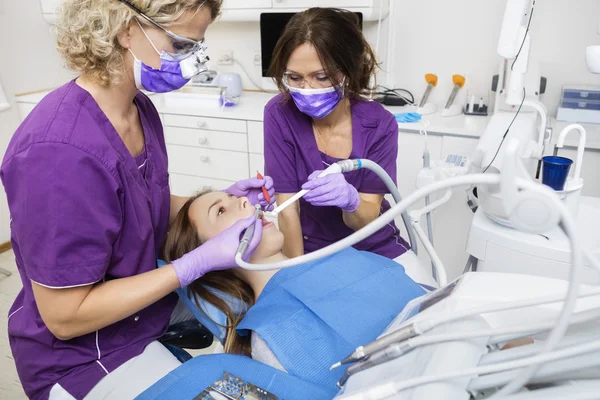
(292, 154)
(82, 212)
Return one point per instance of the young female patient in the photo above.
(301, 319)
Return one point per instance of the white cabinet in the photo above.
(257, 163)
(246, 4)
(256, 141)
(208, 163)
(189, 185)
(410, 159)
(321, 3)
(211, 124)
(206, 139)
(453, 219)
(256, 144)
(408, 165)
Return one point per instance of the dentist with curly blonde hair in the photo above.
(88, 191)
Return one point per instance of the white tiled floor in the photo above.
(10, 387)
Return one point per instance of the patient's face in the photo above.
(214, 212)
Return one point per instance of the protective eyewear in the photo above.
(183, 47)
(317, 80)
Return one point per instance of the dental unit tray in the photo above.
(231, 387)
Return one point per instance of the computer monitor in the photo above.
(271, 29)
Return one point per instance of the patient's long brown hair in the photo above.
(183, 238)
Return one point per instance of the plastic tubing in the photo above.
(391, 186)
(379, 223)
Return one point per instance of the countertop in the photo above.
(251, 106)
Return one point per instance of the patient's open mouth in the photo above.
(265, 223)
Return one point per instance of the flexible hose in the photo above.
(391, 185)
(475, 179)
(379, 223)
(562, 324)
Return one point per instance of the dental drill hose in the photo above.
(353, 165)
(379, 223)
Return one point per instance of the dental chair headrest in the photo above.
(208, 315)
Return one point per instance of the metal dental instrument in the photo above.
(248, 234)
(391, 352)
(361, 352)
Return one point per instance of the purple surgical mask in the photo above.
(316, 103)
(175, 70)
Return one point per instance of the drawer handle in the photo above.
(584, 94)
(201, 124)
(582, 104)
(204, 159)
(203, 140)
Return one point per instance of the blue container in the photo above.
(555, 171)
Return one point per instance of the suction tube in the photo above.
(379, 223)
(391, 186)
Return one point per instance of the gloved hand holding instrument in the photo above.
(218, 253)
(253, 189)
(331, 190)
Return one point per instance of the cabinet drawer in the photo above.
(246, 4)
(321, 3)
(581, 104)
(256, 137)
(208, 163)
(575, 94)
(257, 163)
(208, 139)
(187, 185)
(209, 124)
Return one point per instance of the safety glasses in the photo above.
(316, 80)
(182, 46)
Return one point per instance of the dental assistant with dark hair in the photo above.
(88, 191)
(323, 66)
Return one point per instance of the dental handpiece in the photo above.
(426, 95)
(452, 96)
(248, 234)
(362, 352)
(390, 353)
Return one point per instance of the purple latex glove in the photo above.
(331, 190)
(217, 253)
(252, 189)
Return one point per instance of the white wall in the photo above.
(243, 38)
(452, 37)
(28, 62)
(439, 36)
(461, 37)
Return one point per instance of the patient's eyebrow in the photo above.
(214, 204)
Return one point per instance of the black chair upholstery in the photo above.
(188, 335)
